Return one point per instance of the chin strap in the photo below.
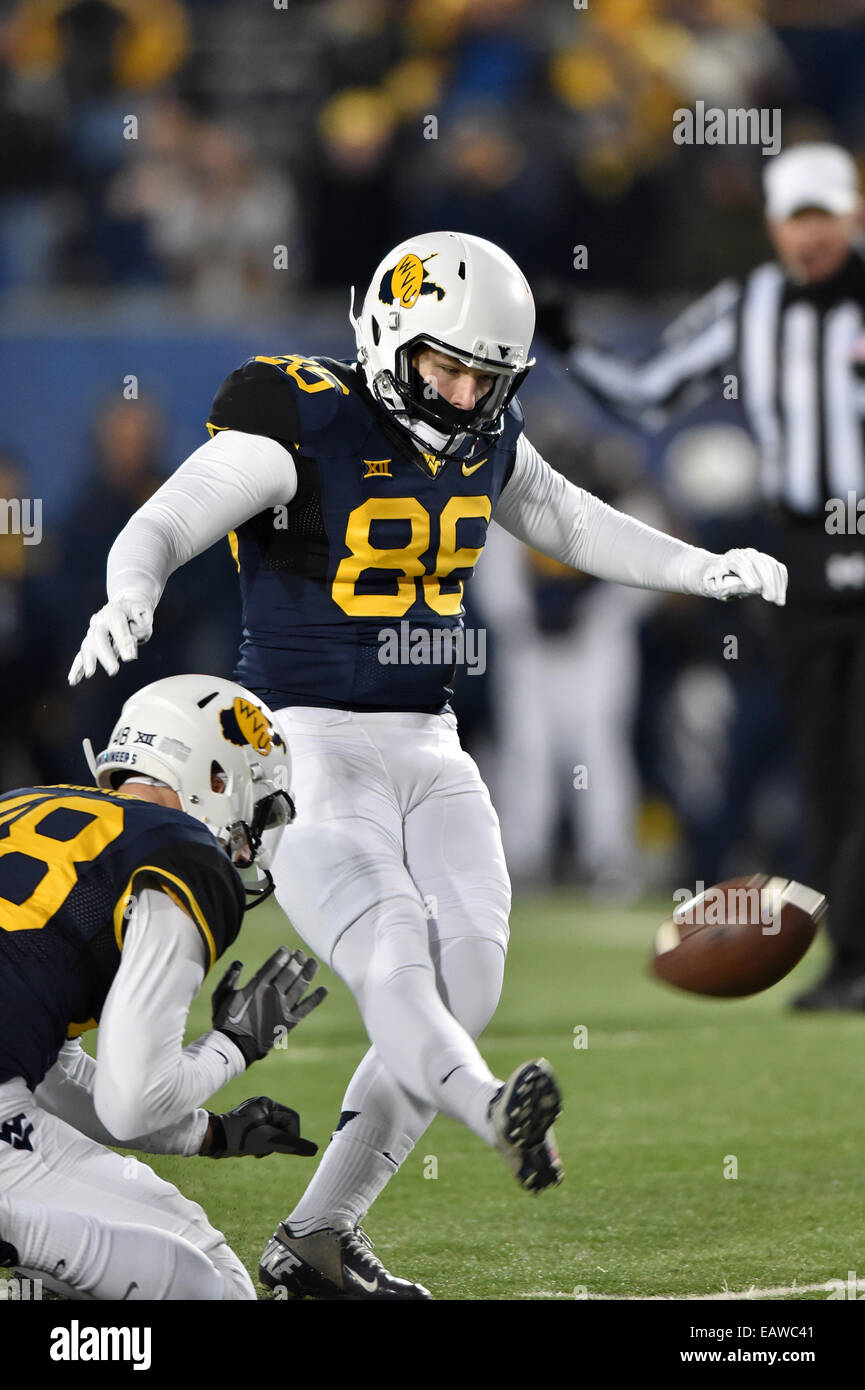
(256, 896)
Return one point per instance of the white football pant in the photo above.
(394, 874)
(95, 1225)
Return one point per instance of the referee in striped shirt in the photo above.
(793, 336)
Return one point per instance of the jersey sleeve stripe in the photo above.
(179, 892)
(234, 548)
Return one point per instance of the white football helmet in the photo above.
(217, 747)
(464, 296)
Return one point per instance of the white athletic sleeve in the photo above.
(541, 508)
(67, 1092)
(145, 1078)
(222, 484)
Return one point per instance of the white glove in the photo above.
(115, 631)
(741, 572)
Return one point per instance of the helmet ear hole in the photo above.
(218, 777)
(376, 330)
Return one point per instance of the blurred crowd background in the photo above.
(184, 184)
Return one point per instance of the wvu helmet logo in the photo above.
(407, 281)
(245, 723)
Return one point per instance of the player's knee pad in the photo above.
(479, 908)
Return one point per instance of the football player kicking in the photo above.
(358, 496)
(114, 906)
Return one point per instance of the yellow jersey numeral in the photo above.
(405, 559)
(324, 378)
(59, 857)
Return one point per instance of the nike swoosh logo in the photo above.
(371, 1285)
(467, 472)
(222, 1055)
(239, 1016)
(132, 1286)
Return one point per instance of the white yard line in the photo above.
(726, 1295)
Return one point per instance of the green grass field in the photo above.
(667, 1090)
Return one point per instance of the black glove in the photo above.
(257, 1014)
(257, 1127)
(553, 318)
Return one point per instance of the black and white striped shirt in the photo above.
(798, 355)
(798, 352)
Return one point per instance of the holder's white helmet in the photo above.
(463, 296)
(217, 747)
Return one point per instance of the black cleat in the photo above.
(8, 1254)
(841, 993)
(522, 1115)
(330, 1264)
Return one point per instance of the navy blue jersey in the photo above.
(70, 860)
(352, 592)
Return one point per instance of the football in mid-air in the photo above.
(738, 937)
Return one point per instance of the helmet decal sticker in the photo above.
(174, 748)
(407, 280)
(245, 723)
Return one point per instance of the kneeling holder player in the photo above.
(114, 903)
